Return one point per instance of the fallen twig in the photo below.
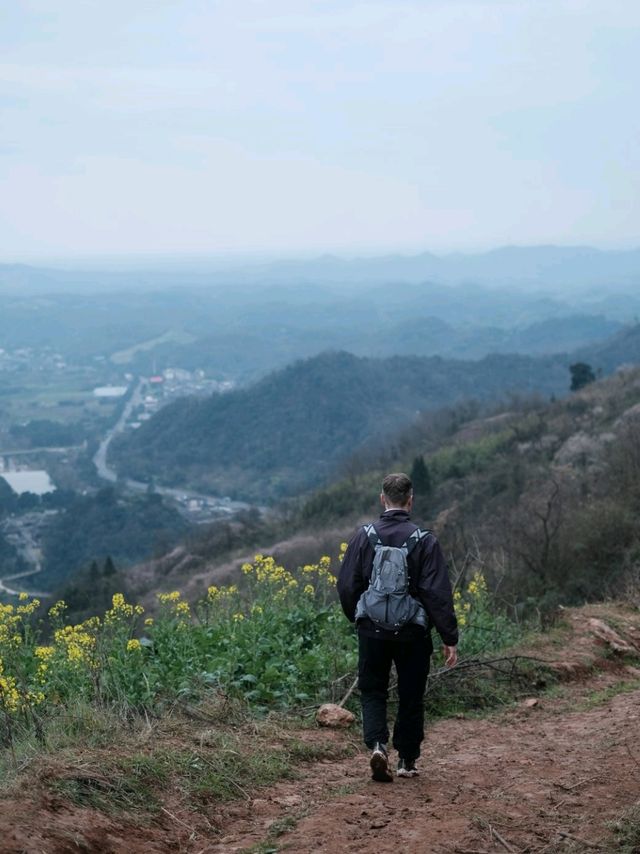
(575, 785)
(501, 839)
(194, 834)
(353, 687)
(491, 663)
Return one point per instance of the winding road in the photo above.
(19, 529)
(106, 472)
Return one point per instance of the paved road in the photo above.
(19, 531)
(224, 506)
(11, 591)
(100, 457)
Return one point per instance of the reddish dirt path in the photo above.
(528, 773)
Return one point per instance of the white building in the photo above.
(110, 391)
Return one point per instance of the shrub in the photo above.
(281, 641)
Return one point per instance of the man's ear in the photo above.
(382, 501)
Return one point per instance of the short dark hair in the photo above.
(397, 488)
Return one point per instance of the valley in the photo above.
(215, 444)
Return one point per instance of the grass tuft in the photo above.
(627, 830)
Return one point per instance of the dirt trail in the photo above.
(528, 773)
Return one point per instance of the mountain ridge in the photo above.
(547, 264)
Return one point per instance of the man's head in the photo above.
(397, 492)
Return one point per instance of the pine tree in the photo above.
(581, 375)
(421, 478)
(109, 568)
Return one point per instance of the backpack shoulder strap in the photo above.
(414, 539)
(372, 535)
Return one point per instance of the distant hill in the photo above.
(430, 336)
(548, 267)
(622, 349)
(280, 313)
(537, 266)
(288, 431)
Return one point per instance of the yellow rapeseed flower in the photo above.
(121, 610)
(27, 610)
(44, 653)
(58, 609)
(133, 645)
(9, 695)
(166, 598)
(77, 643)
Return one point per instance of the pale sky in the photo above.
(288, 126)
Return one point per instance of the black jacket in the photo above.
(428, 576)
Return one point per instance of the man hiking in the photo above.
(394, 585)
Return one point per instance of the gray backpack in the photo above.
(387, 601)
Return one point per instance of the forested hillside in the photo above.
(107, 524)
(287, 432)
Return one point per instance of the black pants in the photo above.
(412, 659)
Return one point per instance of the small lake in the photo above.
(35, 480)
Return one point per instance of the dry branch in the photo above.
(501, 840)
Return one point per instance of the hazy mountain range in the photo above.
(547, 267)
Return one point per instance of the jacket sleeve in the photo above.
(351, 584)
(434, 590)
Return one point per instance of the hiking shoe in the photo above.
(407, 768)
(380, 764)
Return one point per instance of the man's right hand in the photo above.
(450, 655)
